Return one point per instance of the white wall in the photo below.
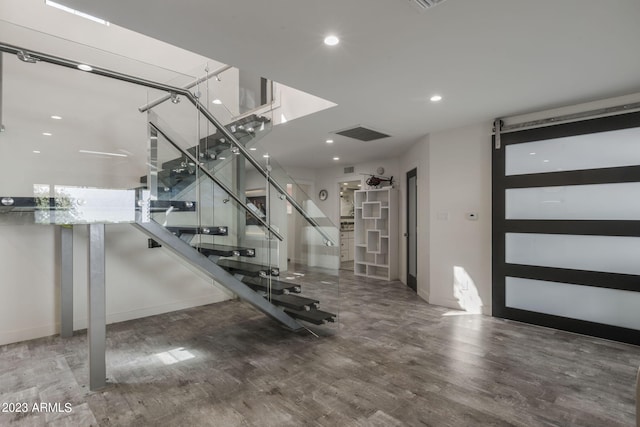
(460, 183)
(139, 281)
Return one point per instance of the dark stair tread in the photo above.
(225, 250)
(277, 287)
(295, 302)
(247, 268)
(163, 205)
(317, 317)
(191, 229)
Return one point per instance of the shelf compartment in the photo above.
(378, 196)
(371, 210)
(384, 245)
(359, 269)
(360, 197)
(381, 260)
(363, 256)
(373, 241)
(378, 272)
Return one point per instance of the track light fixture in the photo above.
(175, 98)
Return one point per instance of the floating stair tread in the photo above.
(247, 268)
(277, 287)
(295, 302)
(317, 317)
(163, 205)
(214, 230)
(225, 250)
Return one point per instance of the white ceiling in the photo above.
(487, 58)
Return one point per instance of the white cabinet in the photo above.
(346, 246)
(376, 233)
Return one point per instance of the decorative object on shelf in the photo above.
(374, 181)
(376, 233)
(323, 194)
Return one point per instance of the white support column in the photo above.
(97, 329)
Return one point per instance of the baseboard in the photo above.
(18, 335)
(9, 337)
(123, 316)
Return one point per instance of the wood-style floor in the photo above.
(393, 361)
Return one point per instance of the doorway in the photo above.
(347, 216)
(412, 225)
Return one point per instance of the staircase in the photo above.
(262, 279)
(183, 174)
(195, 203)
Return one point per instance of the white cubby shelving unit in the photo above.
(376, 233)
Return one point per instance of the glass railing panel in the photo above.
(68, 129)
(212, 219)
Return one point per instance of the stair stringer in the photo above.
(220, 275)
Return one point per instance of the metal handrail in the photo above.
(229, 136)
(217, 181)
(32, 56)
(196, 82)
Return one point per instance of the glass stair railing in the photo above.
(210, 199)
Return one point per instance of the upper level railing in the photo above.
(31, 56)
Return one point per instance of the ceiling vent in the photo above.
(424, 4)
(349, 169)
(362, 133)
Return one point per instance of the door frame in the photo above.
(412, 282)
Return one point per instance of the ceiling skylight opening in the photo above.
(331, 40)
(436, 98)
(76, 12)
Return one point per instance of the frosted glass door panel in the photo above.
(592, 151)
(601, 305)
(599, 201)
(609, 254)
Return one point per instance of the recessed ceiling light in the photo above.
(436, 98)
(336, 158)
(36, 151)
(266, 156)
(331, 40)
(84, 67)
(253, 148)
(532, 154)
(546, 161)
(359, 185)
(329, 141)
(47, 133)
(56, 117)
(221, 158)
(217, 101)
